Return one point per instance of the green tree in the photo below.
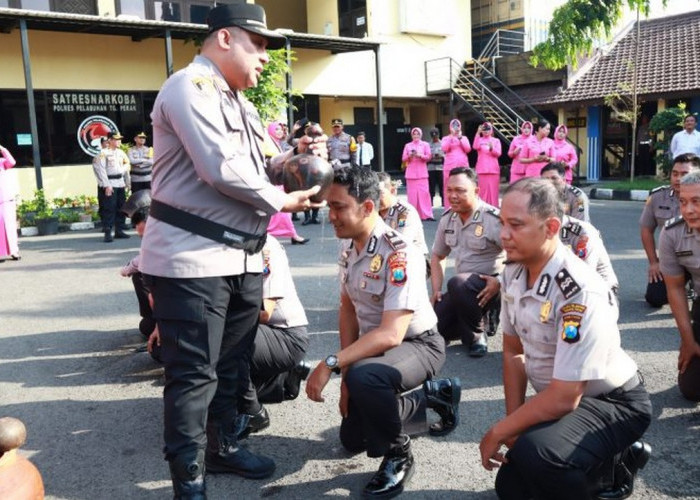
(663, 125)
(270, 95)
(576, 25)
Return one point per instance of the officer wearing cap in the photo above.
(400, 216)
(141, 159)
(661, 206)
(389, 344)
(342, 148)
(575, 201)
(112, 172)
(201, 252)
(560, 334)
(679, 251)
(470, 228)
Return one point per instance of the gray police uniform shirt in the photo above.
(661, 205)
(387, 275)
(585, 241)
(405, 219)
(141, 163)
(278, 285)
(679, 251)
(576, 203)
(209, 162)
(567, 323)
(339, 148)
(111, 163)
(476, 243)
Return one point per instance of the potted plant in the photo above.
(45, 219)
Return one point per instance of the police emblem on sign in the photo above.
(92, 130)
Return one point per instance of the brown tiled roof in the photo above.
(669, 62)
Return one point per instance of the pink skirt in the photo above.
(418, 193)
(8, 230)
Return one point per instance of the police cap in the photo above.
(141, 134)
(336, 121)
(115, 135)
(247, 16)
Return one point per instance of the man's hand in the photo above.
(493, 286)
(344, 400)
(687, 352)
(317, 382)
(437, 297)
(314, 145)
(655, 273)
(298, 201)
(109, 190)
(490, 446)
(154, 339)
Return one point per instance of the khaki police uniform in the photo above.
(576, 203)
(342, 150)
(141, 159)
(584, 240)
(662, 205)
(404, 218)
(281, 343)
(476, 247)
(567, 324)
(388, 275)
(208, 162)
(111, 168)
(679, 254)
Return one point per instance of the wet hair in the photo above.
(470, 173)
(362, 183)
(555, 165)
(545, 199)
(692, 177)
(694, 160)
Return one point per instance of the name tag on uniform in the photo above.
(684, 253)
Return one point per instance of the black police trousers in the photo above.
(689, 381)
(459, 314)
(207, 326)
(147, 323)
(556, 460)
(379, 413)
(111, 209)
(275, 351)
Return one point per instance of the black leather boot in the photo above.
(108, 236)
(187, 473)
(443, 395)
(247, 424)
(631, 461)
(393, 474)
(292, 383)
(224, 454)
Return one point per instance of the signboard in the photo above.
(24, 139)
(579, 122)
(92, 130)
(92, 102)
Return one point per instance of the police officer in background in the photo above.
(112, 172)
(470, 228)
(342, 148)
(560, 334)
(201, 251)
(398, 215)
(389, 343)
(661, 206)
(679, 248)
(141, 159)
(576, 202)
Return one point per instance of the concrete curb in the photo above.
(617, 194)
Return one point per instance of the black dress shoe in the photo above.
(247, 424)
(292, 383)
(443, 396)
(315, 221)
(295, 217)
(393, 474)
(225, 455)
(480, 348)
(108, 238)
(16, 257)
(306, 222)
(121, 235)
(302, 241)
(632, 460)
(187, 474)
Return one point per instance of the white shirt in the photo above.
(683, 142)
(365, 153)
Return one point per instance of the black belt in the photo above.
(115, 176)
(250, 243)
(146, 172)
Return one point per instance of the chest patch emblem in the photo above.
(376, 263)
(478, 230)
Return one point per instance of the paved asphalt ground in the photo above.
(93, 406)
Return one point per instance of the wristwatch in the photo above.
(332, 363)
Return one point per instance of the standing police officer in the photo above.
(201, 251)
(389, 344)
(471, 228)
(560, 334)
(141, 158)
(112, 172)
(342, 148)
(679, 252)
(661, 206)
(400, 216)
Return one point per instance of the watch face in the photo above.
(332, 361)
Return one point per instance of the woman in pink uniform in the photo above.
(564, 152)
(9, 249)
(416, 155)
(488, 170)
(455, 146)
(538, 150)
(281, 224)
(515, 152)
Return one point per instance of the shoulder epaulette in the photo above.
(576, 191)
(673, 222)
(495, 212)
(567, 284)
(657, 189)
(395, 241)
(448, 211)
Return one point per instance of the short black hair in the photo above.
(360, 133)
(694, 160)
(555, 165)
(541, 123)
(469, 172)
(545, 199)
(362, 183)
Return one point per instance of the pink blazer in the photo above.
(564, 152)
(533, 148)
(518, 142)
(455, 151)
(487, 157)
(8, 190)
(417, 166)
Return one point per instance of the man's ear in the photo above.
(553, 225)
(368, 207)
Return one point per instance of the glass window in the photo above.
(36, 4)
(198, 13)
(133, 8)
(167, 11)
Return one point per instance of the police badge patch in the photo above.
(571, 331)
(376, 263)
(397, 268)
